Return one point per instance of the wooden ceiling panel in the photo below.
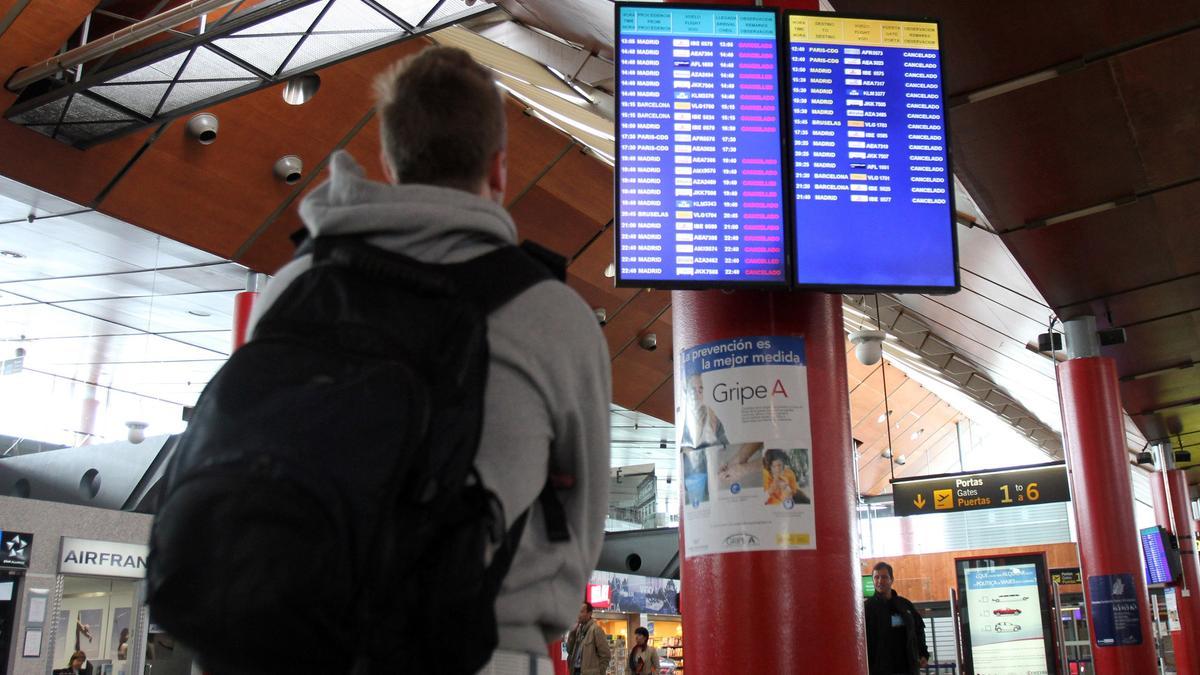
(589, 266)
(1069, 255)
(1160, 87)
(76, 175)
(1146, 394)
(215, 196)
(989, 43)
(553, 223)
(272, 248)
(1074, 152)
(584, 182)
(532, 147)
(1179, 211)
(639, 313)
(1159, 344)
(638, 373)
(661, 404)
(36, 34)
(1146, 304)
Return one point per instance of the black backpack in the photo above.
(324, 493)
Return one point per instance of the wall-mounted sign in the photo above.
(103, 558)
(947, 493)
(15, 549)
(633, 594)
(1066, 575)
(1115, 614)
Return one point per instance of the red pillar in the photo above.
(1187, 593)
(243, 304)
(795, 611)
(1185, 640)
(1103, 500)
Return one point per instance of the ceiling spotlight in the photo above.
(203, 128)
(289, 168)
(611, 270)
(298, 90)
(917, 434)
(901, 460)
(886, 454)
(648, 341)
(883, 417)
(601, 315)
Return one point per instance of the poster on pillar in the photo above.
(745, 445)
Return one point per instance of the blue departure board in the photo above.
(1159, 569)
(701, 187)
(874, 195)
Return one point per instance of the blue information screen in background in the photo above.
(1158, 563)
(874, 196)
(700, 180)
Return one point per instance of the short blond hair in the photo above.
(441, 118)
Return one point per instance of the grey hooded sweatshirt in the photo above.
(547, 395)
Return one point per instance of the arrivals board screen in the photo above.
(873, 192)
(701, 191)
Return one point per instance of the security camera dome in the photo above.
(868, 346)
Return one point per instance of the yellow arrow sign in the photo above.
(919, 502)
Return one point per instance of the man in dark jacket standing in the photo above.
(895, 630)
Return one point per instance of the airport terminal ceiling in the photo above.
(1084, 176)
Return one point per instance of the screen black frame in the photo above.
(1047, 608)
(788, 227)
(784, 33)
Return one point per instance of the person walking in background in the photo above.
(587, 645)
(643, 659)
(895, 629)
(78, 665)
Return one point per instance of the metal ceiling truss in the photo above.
(258, 48)
(917, 337)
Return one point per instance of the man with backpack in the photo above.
(416, 266)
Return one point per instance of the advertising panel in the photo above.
(1005, 615)
(746, 446)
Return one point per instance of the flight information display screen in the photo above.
(700, 176)
(873, 192)
(1159, 567)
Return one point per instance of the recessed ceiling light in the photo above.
(300, 89)
(196, 312)
(12, 254)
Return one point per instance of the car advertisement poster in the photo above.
(745, 443)
(1007, 636)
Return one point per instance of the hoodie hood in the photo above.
(427, 222)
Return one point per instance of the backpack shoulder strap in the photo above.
(494, 278)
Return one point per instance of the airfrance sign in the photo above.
(103, 558)
(1039, 484)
